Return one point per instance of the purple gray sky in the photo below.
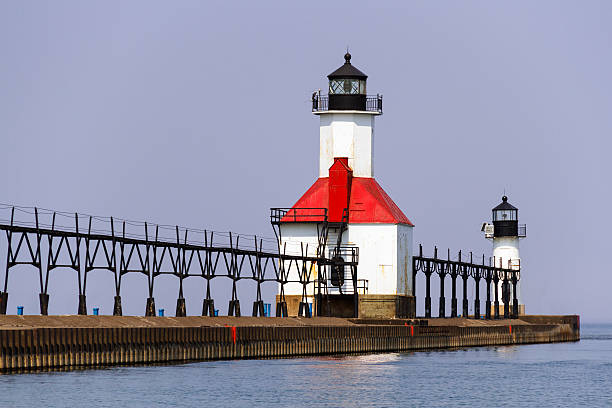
(197, 113)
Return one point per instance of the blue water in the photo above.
(562, 374)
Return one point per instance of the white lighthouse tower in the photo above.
(505, 233)
(359, 212)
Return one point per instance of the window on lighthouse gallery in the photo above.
(504, 215)
(347, 86)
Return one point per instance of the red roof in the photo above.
(369, 203)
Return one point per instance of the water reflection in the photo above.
(562, 374)
(382, 358)
(506, 351)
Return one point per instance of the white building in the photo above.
(357, 208)
(505, 233)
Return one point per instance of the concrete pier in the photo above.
(65, 342)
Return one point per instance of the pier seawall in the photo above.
(64, 342)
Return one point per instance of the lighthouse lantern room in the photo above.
(346, 208)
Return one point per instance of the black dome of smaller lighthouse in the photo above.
(505, 205)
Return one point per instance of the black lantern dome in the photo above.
(505, 219)
(347, 87)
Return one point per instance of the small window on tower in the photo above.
(504, 215)
(347, 86)
(336, 86)
(362, 87)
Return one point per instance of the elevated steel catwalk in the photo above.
(190, 253)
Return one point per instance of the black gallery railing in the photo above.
(373, 103)
(491, 272)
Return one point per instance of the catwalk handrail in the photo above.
(158, 243)
(492, 271)
(84, 249)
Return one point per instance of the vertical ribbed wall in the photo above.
(40, 348)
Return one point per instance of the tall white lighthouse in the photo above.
(359, 212)
(505, 233)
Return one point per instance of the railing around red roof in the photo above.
(278, 215)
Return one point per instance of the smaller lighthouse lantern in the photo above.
(505, 219)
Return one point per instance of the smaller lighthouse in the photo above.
(505, 233)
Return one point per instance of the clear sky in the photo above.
(198, 113)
